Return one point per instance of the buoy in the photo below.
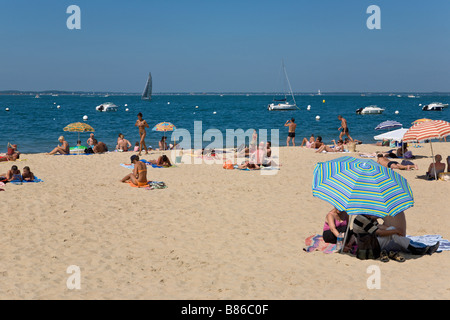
(396, 112)
(127, 109)
(420, 104)
(168, 102)
(214, 112)
(323, 101)
(309, 107)
(126, 105)
(196, 107)
(7, 109)
(58, 107)
(317, 117)
(85, 118)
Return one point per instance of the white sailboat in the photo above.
(147, 94)
(284, 104)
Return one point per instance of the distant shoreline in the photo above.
(94, 94)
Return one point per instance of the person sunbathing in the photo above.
(27, 175)
(318, 143)
(12, 154)
(162, 161)
(308, 143)
(435, 168)
(12, 175)
(61, 149)
(385, 162)
(139, 175)
(248, 165)
(339, 147)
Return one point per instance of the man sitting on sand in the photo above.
(62, 149)
(435, 168)
(318, 143)
(139, 175)
(99, 147)
(381, 159)
(123, 144)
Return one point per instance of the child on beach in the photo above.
(136, 147)
(27, 175)
(12, 175)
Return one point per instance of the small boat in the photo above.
(284, 104)
(435, 106)
(107, 107)
(147, 94)
(37, 96)
(370, 110)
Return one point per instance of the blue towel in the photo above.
(429, 240)
(36, 180)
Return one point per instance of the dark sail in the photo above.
(147, 95)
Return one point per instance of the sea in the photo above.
(35, 124)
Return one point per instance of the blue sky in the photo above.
(224, 46)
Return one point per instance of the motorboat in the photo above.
(435, 106)
(370, 110)
(107, 107)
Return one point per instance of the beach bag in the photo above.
(368, 246)
(408, 155)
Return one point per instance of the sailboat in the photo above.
(284, 104)
(147, 94)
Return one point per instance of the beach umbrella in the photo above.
(427, 130)
(396, 135)
(79, 127)
(421, 120)
(389, 125)
(361, 186)
(164, 127)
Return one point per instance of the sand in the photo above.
(212, 234)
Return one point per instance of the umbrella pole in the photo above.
(345, 236)
(434, 164)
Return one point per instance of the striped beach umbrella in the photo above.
(362, 186)
(427, 130)
(389, 125)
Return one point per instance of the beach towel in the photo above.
(316, 243)
(36, 180)
(151, 185)
(431, 239)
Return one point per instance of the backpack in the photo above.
(368, 246)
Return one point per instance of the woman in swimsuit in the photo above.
(62, 149)
(335, 222)
(162, 161)
(339, 147)
(142, 124)
(139, 175)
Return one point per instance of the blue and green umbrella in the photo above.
(389, 125)
(362, 186)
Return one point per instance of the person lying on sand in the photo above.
(13, 174)
(27, 175)
(381, 159)
(99, 147)
(62, 149)
(139, 175)
(339, 147)
(12, 154)
(248, 165)
(162, 161)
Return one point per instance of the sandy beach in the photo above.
(212, 234)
